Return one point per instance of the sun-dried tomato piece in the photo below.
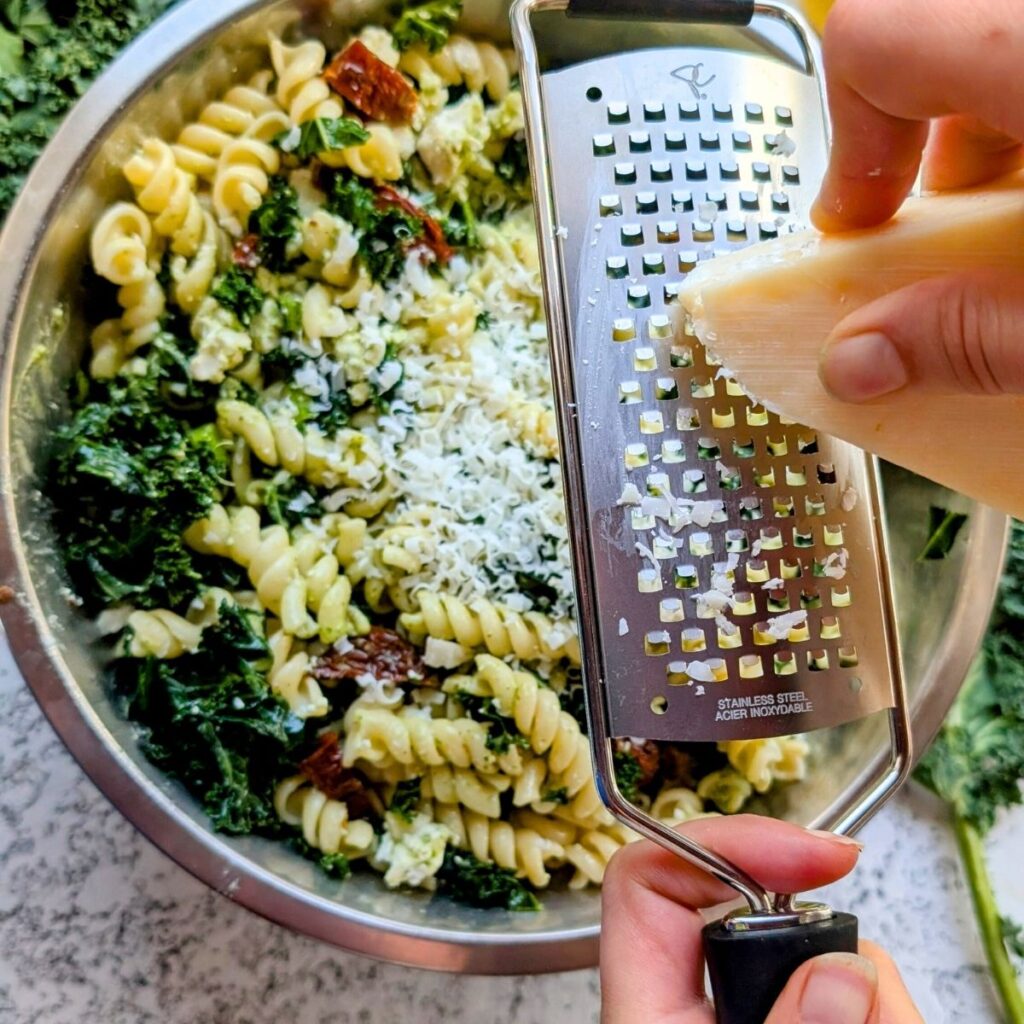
(325, 770)
(646, 754)
(433, 234)
(382, 654)
(371, 86)
(246, 253)
(678, 767)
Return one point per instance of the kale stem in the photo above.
(987, 915)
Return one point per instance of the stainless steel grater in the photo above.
(730, 564)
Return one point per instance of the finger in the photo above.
(651, 957)
(895, 1002)
(836, 988)
(963, 151)
(962, 334)
(891, 66)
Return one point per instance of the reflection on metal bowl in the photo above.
(157, 85)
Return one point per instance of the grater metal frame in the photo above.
(766, 909)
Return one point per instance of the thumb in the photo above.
(837, 988)
(950, 335)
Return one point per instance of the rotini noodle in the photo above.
(324, 822)
(201, 143)
(518, 849)
(530, 636)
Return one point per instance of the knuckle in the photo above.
(967, 323)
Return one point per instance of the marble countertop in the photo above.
(98, 926)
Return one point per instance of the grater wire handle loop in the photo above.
(707, 12)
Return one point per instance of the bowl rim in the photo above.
(148, 807)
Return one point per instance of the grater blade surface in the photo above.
(692, 494)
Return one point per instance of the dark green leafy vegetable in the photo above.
(291, 314)
(276, 222)
(211, 721)
(513, 166)
(943, 527)
(461, 227)
(467, 880)
(627, 774)
(502, 734)
(49, 55)
(386, 230)
(484, 320)
(538, 589)
(335, 865)
(977, 761)
(238, 291)
(324, 134)
(572, 700)
(556, 796)
(406, 799)
(428, 23)
(290, 501)
(127, 477)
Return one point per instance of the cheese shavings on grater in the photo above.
(732, 558)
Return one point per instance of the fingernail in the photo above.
(862, 367)
(832, 837)
(840, 989)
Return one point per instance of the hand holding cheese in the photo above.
(906, 339)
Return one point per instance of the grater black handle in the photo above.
(749, 969)
(709, 12)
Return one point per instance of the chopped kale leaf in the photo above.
(428, 23)
(467, 880)
(238, 291)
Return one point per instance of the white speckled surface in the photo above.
(97, 926)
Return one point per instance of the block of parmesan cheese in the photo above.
(765, 312)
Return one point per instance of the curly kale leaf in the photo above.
(128, 475)
(467, 880)
(627, 774)
(977, 762)
(427, 23)
(502, 733)
(237, 291)
(276, 222)
(322, 135)
(211, 721)
(513, 166)
(49, 55)
(406, 799)
(334, 865)
(385, 231)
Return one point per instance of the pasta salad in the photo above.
(310, 488)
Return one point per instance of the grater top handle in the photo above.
(707, 12)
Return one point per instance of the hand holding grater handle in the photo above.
(751, 957)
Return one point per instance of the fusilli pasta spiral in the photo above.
(348, 458)
(478, 65)
(324, 822)
(530, 636)
(291, 580)
(168, 194)
(520, 849)
(120, 244)
(201, 143)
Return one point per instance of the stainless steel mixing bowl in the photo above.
(157, 84)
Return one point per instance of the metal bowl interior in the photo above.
(158, 84)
